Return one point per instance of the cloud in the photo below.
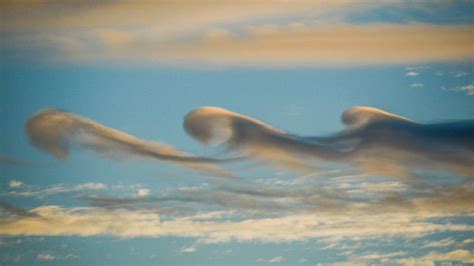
(274, 260)
(229, 33)
(468, 89)
(56, 131)
(373, 140)
(417, 85)
(45, 256)
(189, 249)
(460, 74)
(439, 244)
(15, 183)
(15, 211)
(92, 221)
(302, 46)
(459, 255)
(57, 189)
(5, 159)
(143, 192)
(412, 74)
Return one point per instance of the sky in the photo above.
(237, 133)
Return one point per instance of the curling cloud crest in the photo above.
(373, 140)
(55, 131)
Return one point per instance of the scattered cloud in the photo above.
(274, 260)
(459, 255)
(45, 256)
(15, 183)
(468, 89)
(412, 74)
(417, 85)
(460, 74)
(143, 192)
(190, 249)
(439, 244)
(93, 221)
(57, 189)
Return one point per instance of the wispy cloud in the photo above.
(56, 189)
(89, 221)
(460, 74)
(274, 260)
(459, 255)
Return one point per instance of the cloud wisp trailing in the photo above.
(56, 131)
(373, 140)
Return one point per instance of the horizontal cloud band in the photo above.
(373, 140)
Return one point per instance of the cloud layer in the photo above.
(230, 33)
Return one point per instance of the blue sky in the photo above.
(142, 75)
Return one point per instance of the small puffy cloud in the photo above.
(412, 74)
(189, 249)
(143, 192)
(45, 256)
(417, 85)
(15, 183)
(468, 89)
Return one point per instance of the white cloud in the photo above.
(189, 249)
(412, 74)
(469, 89)
(143, 192)
(57, 189)
(15, 183)
(439, 244)
(45, 256)
(459, 255)
(90, 186)
(417, 85)
(91, 221)
(460, 74)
